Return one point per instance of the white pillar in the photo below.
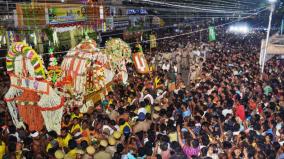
(267, 37)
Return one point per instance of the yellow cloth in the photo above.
(152, 68)
(173, 136)
(63, 142)
(74, 127)
(73, 115)
(123, 126)
(148, 108)
(18, 154)
(156, 81)
(129, 100)
(2, 149)
(110, 102)
(50, 146)
(72, 153)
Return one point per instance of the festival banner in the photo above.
(60, 15)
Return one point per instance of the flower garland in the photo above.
(19, 48)
(119, 53)
(118, 49)
(54, 71)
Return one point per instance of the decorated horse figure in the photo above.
(31, 98)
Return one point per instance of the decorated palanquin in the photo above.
(83, 73)
(119, 54)
(31, 98)
(88, 72)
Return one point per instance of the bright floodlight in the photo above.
(272, 1)
(239, 29)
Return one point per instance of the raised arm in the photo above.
(179, 136)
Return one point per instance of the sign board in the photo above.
(120, 25)
(109, 23)
(137, 11)
(60, 15)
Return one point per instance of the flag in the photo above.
(212, 34)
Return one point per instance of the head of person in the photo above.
(75, 121)
(72, 144)
(64, 132)
(76, 111)
(67, 118)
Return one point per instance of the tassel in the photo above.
(11, 94)
(52, 119)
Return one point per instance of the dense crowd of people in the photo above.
(230, 111)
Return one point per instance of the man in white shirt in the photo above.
(166, 66)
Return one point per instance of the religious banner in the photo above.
(212, 34)
(140, 61)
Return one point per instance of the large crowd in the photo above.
(230, 111)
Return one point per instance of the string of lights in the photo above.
(219, 5)
(191, 7)
(173, 36)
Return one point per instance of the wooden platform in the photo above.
(95, 96)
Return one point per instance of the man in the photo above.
(184, 59)
(65, 137)
(102, 154)
(36, 145)
(239, 108)
(141, 125)
(178, 62)
(166, 66)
